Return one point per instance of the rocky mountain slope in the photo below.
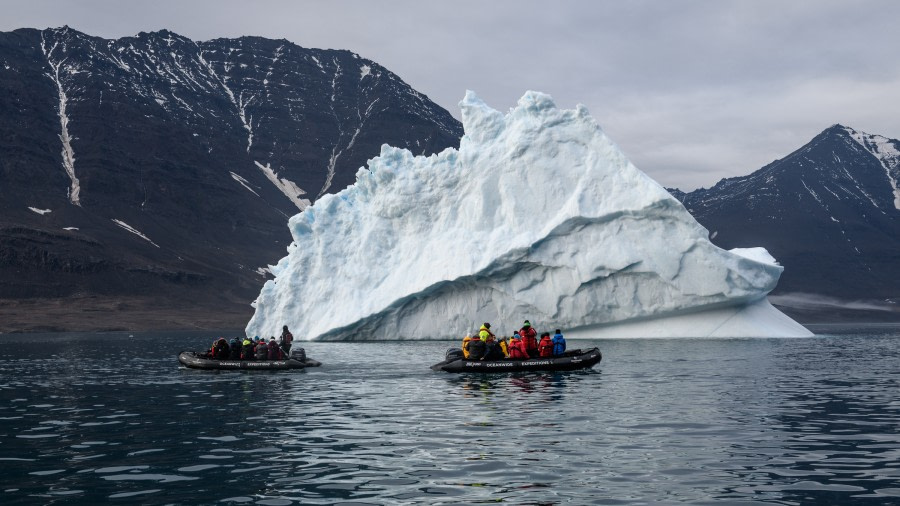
(829, 212)
(154, 175)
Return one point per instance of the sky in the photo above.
(691, 91)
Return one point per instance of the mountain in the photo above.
(152, 177)
(829, 212)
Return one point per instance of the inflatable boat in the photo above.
(570, 361)
(199, 360)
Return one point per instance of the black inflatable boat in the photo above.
(197, 360)
(570, 361)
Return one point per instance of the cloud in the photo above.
(700, 136)
(692, 91)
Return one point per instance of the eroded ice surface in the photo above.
(538, 215)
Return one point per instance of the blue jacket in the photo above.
(559, 344)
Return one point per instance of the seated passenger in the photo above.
(465, 346)
(504, 347)
(262, 350)
(282, 353)
(492, 349)
(247, 349)
(211, 352)
(274, 350)
(529, 337)
(559, 344)
(235, 353)
(477, 349)
(517, 348)
(221, 350)
(545, 347)
(485, 331)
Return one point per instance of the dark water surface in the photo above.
(104, 418)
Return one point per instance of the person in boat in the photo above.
(260, 350)
(504, 347)
(247, 349)
(235, 352)
(492, 349)
(286, 339)
(274, 350)
(529, 338)
(545, 347)
(211, 352)
(485, 331)
(559, 344)
(517, 348)
(281, 353)
(465, 345)
(221, 350)
(477, 349)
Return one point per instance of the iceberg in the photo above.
(537, 216)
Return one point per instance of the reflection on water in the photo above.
(100, 418)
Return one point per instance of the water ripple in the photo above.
(808, 421)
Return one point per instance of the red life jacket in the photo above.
(546, 347)
(517, 349)
(529, 338)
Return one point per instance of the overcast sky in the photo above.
(692, 91)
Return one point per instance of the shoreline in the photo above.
(153, 314)
(133, 314)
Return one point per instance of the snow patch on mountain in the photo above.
(39, 211)
(133, 230)
(538, 215)
(68, 154)
(289, 188)
(887, 152)
(243, 182)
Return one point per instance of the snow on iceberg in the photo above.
(537, 216)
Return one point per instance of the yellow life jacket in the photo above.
(465, 346)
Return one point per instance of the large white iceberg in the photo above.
(537, 216)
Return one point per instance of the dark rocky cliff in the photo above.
(829, 212)
(161, 172)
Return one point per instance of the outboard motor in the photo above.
(453, 354)
(298, 354)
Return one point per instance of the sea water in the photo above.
(107, 418)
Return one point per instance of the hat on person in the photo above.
(527, 323)
(487, 325)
